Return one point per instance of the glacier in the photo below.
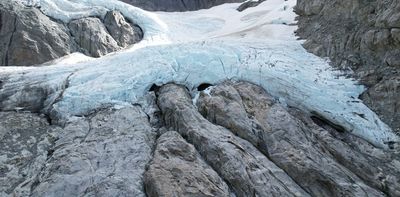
(191, 48)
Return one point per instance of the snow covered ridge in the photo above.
(207, 46)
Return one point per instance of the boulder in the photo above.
(92, 36)
(121, 30)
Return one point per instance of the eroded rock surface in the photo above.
(236, 140)
(303, 152)
(362, 36)
(102, 155)
(238, 162)
(177, 169)
(25, 139)
(123, 32)
(28, 37)
(92, 36)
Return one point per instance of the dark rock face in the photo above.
(28, 37)
(123, 32)
(362, 36)
(177, 5)
(91, 35)
(249, 4)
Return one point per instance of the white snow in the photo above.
(207, 46)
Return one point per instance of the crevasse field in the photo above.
(207, 46)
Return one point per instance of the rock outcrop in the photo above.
(25, 140)
(361, 36)
(92, 36)
(249, 112)
(123, 32)
(249, 4)
(235, 140)
(237, 161)
(177, 169)
(28, 37)
(177, 6)
(104, 154)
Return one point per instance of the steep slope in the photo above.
(363, 37)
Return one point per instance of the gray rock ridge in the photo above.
(314, 158)
(360, 36)
(238, 162)
(177, 6)
(237, 140)
(177, 169)
(28, 37)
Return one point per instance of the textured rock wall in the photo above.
(236, 140)
(177, 5)
(361, 36)
(29, 37)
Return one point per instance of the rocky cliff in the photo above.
(362, 37)
(28, 37)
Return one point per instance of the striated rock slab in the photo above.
(318, 161)
(178, 170)
(238, 162)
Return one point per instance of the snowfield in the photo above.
(207, 46)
